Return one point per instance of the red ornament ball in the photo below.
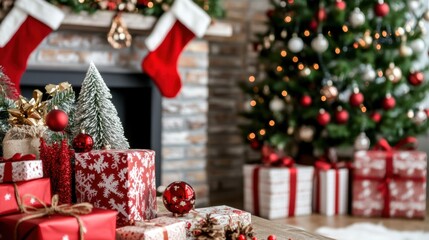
(321, 14)
(313, 25)
(83, 142)
(179, 198)
(323, 118)
(255, 144)
(427, 112)
(389, 102)
(381, 9)
(340, 4)
(241, 237)
(356, 99)
(305, 101)
(57, 120)
(254, 238)
(416, 78)
(376, 117)
(270, 13)
(341, 116)
(272, 237)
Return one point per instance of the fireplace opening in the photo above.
(136, 99)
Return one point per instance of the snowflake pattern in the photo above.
(65, 237)
(153, 230)
(123, 180)
(23, 170)
(7, 197)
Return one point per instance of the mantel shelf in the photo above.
(100, 21)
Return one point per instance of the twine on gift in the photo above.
(64, 209)
(18, 198)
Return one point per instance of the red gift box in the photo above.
(20, 168)
(389, 184)
(100, 224)
(122, 180)
(40, 188)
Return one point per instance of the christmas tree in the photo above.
(97, 115)
(8, 95)
(335, 73)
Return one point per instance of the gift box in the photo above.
(165, 228)
(389, 184)
(225, 216)
(331, 190)
(21, 168)
(273, 192)
(122, 180)
(100, 224)
(39, 188)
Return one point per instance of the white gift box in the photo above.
(274, 191)
(327, 191)
(155, 229)
(21, 170)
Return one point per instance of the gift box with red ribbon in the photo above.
(162, 228)
(331, 186)
(276, 192)
(389, 182)
(20, 168)
(122, 180)
(11, 194)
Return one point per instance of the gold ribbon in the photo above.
(63, 209)
(53, 89)
(28, 112)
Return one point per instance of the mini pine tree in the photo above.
(96, 114)
(8, 94)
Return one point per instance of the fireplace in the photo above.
(136, 99)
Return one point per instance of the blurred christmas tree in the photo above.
(333, 72)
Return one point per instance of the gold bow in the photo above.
(53, 89)
(63, 209)
(28, 112)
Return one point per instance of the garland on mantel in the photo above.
(146, 7)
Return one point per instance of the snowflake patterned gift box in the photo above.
(225, 215)
(165, 228)
(100, 224)
(40, 188)
(389, 184)
(21, 168)
(122, 180)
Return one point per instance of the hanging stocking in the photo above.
(22, 30)
(172, 32)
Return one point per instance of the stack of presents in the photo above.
(382, 182)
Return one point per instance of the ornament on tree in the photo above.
(341, 115)
(389, 102)
(323, 118)
(255, 144)
(420, 117)
(83, 142)
(277, 104)
(340, 5)
(305, 101)
(321, 14)
(368, 73)
(305, 72)
(320, 43)
(295, 44)
(405, 51)
(418, 45)
(361, 142)
(57, 120)
(313, 25)
(118, 35)
(393, 73)
(366, 40)
(329, 91)
(416, 78)
(306, 133)
(381, 8)
(357, 18)
(426, 15)
(376, 117)
(283, 34)
(356, 98)
(414, 4)
(179, 198)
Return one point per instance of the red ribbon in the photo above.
(323, 165)
(271, 158)
(408, 143)
(292, 192)
(8, 164)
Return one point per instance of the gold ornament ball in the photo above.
(330, 92)
(306, 134)
(393, 73)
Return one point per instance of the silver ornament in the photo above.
(357, 18)
(420, 117)
(362, 142)
(305, 72)
(405, 51)
(418, 45)
(306, 133)
(320, 43)
(277, 104)
(414, 4)
(368, 73)
(295, 44)
(283, 33)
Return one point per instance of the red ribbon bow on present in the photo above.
(271, 158)
(8, 164)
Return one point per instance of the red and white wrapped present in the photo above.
(162, 228)
(40, 188)
(20, 168)
(277, 192)
(331, 188)
(122, 180)
(389, 183)
(225, 216)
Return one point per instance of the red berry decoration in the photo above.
(376, 117)
(416, 78)
(340, 5)
(305, 101)
(179, 198)
(83, 142)
(381, 9)
(323, 118)
(57, 120)
(389, 102)
(272, 237)
(356, 98)
(341, 116)
(241, 237)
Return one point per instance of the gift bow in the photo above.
(28, 112)
(53, 89)
(270, 158)
(63, 209)
(19, 157)
(408, 143)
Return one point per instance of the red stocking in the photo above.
(22, 30)
(171, 34)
